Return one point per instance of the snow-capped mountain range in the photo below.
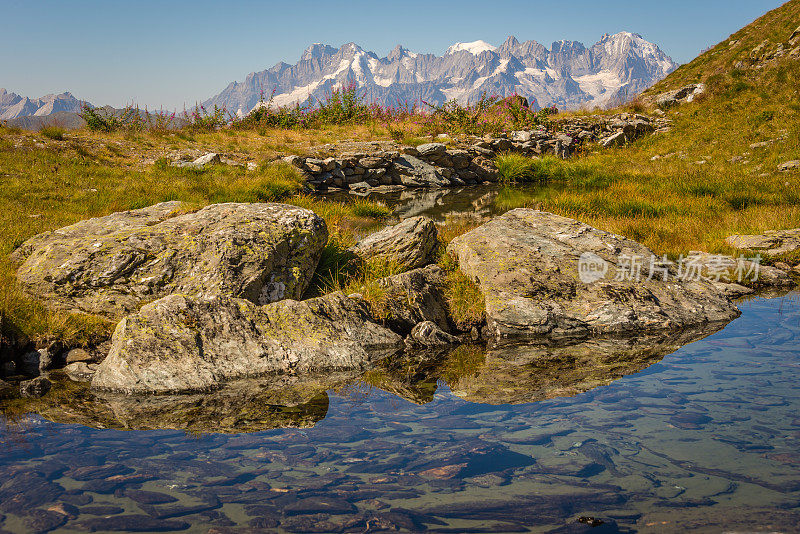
(567, 75)
(13, 106)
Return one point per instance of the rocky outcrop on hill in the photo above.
(685, 94)
(180, 343)
(110, 265)
(410, 244)
(546, 275)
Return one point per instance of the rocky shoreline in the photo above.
(213, 296)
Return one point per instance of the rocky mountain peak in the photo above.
(568, 75)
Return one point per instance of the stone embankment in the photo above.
(462, 161)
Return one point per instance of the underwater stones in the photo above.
(526, 263)
(36, 387)
(110, 265)
(132, 523)
(410, 244)
(41, 521)
(149, 497)
(181, 344)
(320, 505)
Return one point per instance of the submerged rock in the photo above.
(411, 243)
(36, 387)
(181, 343)
(527, 263)
(110, 265)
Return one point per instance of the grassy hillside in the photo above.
(716, 172)
(775, 27)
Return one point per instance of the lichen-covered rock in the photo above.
(80, 371)
(771, 242)
(414, 297)
(723, 269)
(526, 263)
(410, 244)
(110, 265)
(180, 343)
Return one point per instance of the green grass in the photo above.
(47, 188)
(517, 168)
(465, 301)
(53, 132)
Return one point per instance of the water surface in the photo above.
(633, 433)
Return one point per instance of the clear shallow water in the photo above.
(707, 438)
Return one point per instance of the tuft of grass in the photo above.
(362, 207)
(517, 168)
(52, 132)
(464, 299)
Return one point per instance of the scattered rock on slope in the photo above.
(771, 242)
(411, 243)
(526, 263)
(180, 343)
(110, 265)
(789, 165)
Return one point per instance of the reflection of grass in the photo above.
(466, 360)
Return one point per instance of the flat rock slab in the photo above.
(771, 242)
(110, 265)
(412, 243)
(180, 344)
(527, 263)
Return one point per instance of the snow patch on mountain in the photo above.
(475, 48)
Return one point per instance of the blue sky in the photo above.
(171, 53)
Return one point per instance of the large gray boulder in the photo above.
(410, 244)
(526, 263)
(110, 265)
(182, 344)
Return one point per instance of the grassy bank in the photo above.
(50, 186)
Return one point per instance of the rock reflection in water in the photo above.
(503, 374)
(523, 373)
(239, 407)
